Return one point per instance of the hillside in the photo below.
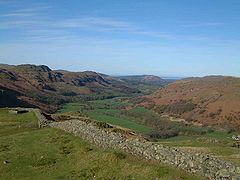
(39, 86)
(147, 84)
(212, 100)
(147, 79)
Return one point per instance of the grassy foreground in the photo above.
(27, 152)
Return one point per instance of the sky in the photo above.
(176, 38)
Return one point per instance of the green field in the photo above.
(107, 111)
(218, 144)
(71, 107)
(27, 152)
(125, 123)
(138, 119)
(191, 138)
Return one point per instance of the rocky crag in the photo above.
(103, 136)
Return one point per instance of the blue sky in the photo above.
(165, 38)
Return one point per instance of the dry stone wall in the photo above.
(42, 120)
(201, 164)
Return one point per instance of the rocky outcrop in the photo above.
(201, 164)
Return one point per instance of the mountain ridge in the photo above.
(40, 86)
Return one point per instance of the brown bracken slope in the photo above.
(212, 100)
(39, 86)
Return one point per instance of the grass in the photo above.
(71, 107)
(27, 152)
(114, 103)
(141, 110)
(220, 135)
(108, 111)
(218, 144)
(126, 123)
(16, 123)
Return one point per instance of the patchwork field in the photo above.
(27, 152)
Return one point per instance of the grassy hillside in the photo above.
(212, 101)
(27, 152)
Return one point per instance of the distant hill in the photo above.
(146, 79)
(39, 86)
(145, 83)
(212, 100)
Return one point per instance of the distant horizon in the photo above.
(177, 38)
(171, 77)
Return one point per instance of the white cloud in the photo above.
(18, 24)
(36, 25)
(25, 12)
(22, 14)
(34, 9)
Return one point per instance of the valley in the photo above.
(188, 137)
(39, 86)
(193, 117)
(119, 90)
